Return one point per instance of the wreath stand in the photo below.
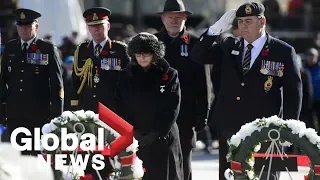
(243, 146)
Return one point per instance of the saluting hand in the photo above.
(224, 23)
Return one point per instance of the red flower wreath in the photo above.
(186, 39)
(265, 52)
(33, 47)
(104, 52)
(87, 177)
(165, 77)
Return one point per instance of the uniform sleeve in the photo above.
(201, 94)
(170, 107)
(207, 49)
(3, 87)
(75, 82)
(56, 84)
(292, 88)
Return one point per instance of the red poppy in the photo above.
(104, 52)
(165, 77)
(87, 177)
(265, 52)
(306, 177)
(33, 47)
(186, 39)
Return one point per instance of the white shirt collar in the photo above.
(29, 42)
(258, 42)
(101, 44)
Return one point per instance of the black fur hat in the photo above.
(146, 43)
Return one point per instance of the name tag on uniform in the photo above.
(235, 52)
(38, 58)
(110, 64)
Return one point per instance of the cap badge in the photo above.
(248, 9)
(22, 15)
(95, 17)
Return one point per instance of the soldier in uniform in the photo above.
(258, 73)
(194, 103)
(31, 77)
(97, 63)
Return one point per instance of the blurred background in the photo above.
(294, 21)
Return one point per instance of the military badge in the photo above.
(268, 84)
(248, 9)
(162, 88)
(95, 17)
(22, 15)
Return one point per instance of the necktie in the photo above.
(24, 50)
(247, 59)
(97, 50)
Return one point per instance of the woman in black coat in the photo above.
(148, 97)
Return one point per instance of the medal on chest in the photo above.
(96, 78)
(184, 50)
(268, 84)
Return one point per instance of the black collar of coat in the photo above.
(161, 66)
(181, 36)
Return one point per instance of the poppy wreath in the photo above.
(246, 142)
(126, 164)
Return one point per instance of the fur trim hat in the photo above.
(146, 43)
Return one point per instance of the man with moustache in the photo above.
(258, 73)
(194, 103)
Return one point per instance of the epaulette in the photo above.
(48, 42)
(120, 42)
(12, 41)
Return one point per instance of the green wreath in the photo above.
(246, 142)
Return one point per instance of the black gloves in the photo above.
(148, 139)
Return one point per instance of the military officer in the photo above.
(258, 73)
(97, 63)
(31, 89)
(194, 104)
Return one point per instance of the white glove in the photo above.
(223, 24)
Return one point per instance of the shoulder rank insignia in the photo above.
(120, 42)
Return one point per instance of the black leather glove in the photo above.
(148, 139)
(201, 124)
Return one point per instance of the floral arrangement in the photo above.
(132, 169)
(250, 136)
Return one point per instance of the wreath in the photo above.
(246, 142)
(126, 164)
